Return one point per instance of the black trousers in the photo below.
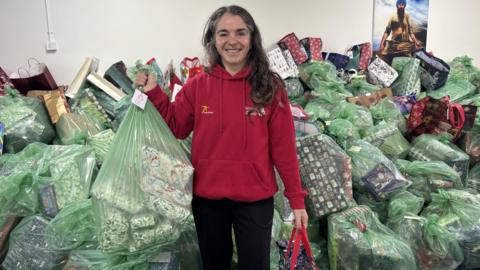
(252, 226)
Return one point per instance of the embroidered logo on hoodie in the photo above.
(206, 109)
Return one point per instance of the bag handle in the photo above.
(32, 58)
(190, 62)
(456, 123)
(298, 237)
(25, 70)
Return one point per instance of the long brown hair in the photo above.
(263, 81)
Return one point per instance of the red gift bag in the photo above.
(36, 77)
(294, 259)
(434, 116)
(291, 43)
(4, 81)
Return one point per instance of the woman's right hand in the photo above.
(148, 82)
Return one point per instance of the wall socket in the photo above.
(51, 45)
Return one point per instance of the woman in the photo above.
(242, 127)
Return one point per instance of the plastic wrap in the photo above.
(408, 80)
(456, 88)
(294, 87)
(304, 127)
(374, 172)
(459, 212)
(429, 176)
(473, 180)
(143, 191)
(25, 120)
(357, 240)
(86, 104)
(462, 67)
(428, 147)
(313, 72)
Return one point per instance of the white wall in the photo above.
(125, 30)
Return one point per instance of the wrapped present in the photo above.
(380, 73)
(291, 43)
(371, 99)
(278, 63)
(322, 163)
(54, 101)
(73, 128)
(117, 75)
(388, 138)
(313, 47)
(458, 89)
(408, 80)
(433, 71)
(430, 148)
(29, 249)
(305, 127)
(358, 240)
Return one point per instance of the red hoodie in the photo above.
(233, 153)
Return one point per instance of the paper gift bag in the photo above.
(339, 60)
(4, 81)
(117, 75)
(380, 73)
(54, 101)
(291, 43)
(360, 56)
(434, 116)
(313, 47)
(37, 76)
(433, 71)
(190, 67)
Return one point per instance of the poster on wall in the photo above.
(399, 27)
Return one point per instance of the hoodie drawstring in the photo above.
(221, 106)
(244, 108)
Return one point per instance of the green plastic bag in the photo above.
(429, 176)
(387, 111)
(388, 138)
(360, 87)
(74, 128)
(72, 227)
(434, 247)
(29, 249)
(367, 160)
(100, 143)
(343, 131)
(294, 88)
(26, 121)
(67, 170)
(408, 80)
(86, 104)
(457, 88)
(357, 115)
(314, 71)
(358, 240)
(317, 109)
(459, 212)
(402, 204)
(379, 208)
(142, 194)
(462, 67)
(427, 147)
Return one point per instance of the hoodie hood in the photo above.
(223, 75)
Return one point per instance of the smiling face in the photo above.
(233, 42)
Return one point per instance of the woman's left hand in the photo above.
(300, 218)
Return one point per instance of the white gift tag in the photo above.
(176, 90)
(139, 99)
